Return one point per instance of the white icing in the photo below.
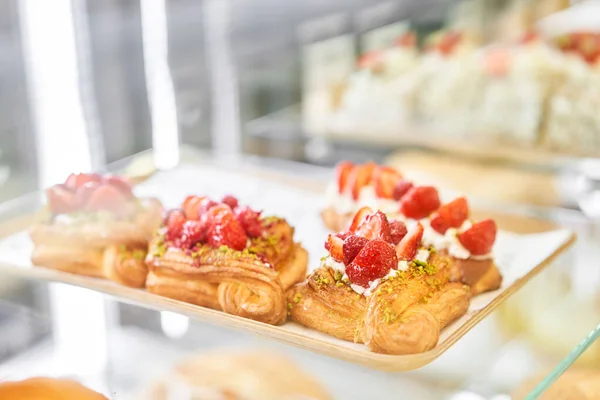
(335, 265)
(403, 265)
(358, 289)
(422, 255)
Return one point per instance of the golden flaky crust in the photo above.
(111, 249)
(239, 284)
(404, 315)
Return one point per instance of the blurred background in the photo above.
(495, 98)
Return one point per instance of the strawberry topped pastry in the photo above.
(96, 226)
(382, 283)
(226, 256)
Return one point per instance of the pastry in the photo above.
(236, 376)
(226, 257)
(394, 284)
(96, 227)
(47, 389)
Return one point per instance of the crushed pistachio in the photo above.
(290, 306)
(323, 258)
(297, 297)
(138, 254)
(389, 315)
(339, 284)
(338, 276)
(432, 250)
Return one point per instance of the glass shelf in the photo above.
(122, 350)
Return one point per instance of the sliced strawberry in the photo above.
(374, 261)
(226, 230)
(449, 42)
(342, 172)
(230, 201)
(372, 60)
(375, 226)
(120, 183)
(206, 204)
(451, 215)
(385, 180)
(75, 181)
(335, 247)
(250, 220)
(360, 177)
(190, 206)
(401, 188)
(408, 39)
(61, 199)
(480, 237)
(352, 246)
(408, 246)
(192, 232)
(359, 217)
(419, 202)
(397, 231)
(343, 234)
(107, 198)
(85, 191)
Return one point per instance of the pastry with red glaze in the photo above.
(383, 283)
(96, 227)
(228, 257)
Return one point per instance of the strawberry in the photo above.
(250, 221)
(173, 221)
(207, 204)
(230, 201)
(480, 237)
(75, 181)
(451, 215)
(449, 42)
(352, 246)
(372, 60)
(334, 245)
(401, 188)
(359, 217)
(373, 261)
(385, 179)
(190, 206)
(120, 183)
(397, 231)
(107, 198)
(85, 191)
(192, 232)
(408, 246)
(360, 177)
(61, 199)
(342, 171)
(343, 234)
(226, 230)
(376, 226)
(419, 202)
(408, 39)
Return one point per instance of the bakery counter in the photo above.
(138, 351)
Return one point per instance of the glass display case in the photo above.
(141, 86)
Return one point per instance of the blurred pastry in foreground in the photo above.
(237, 376)
(572, 385)
(47, 389)
(96, 227)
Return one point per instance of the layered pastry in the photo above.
(96, 227)
(394, 283)
(227, 257)
(229, 375)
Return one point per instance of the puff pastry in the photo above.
(246, 277)
(385, 283)
(96, 228)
